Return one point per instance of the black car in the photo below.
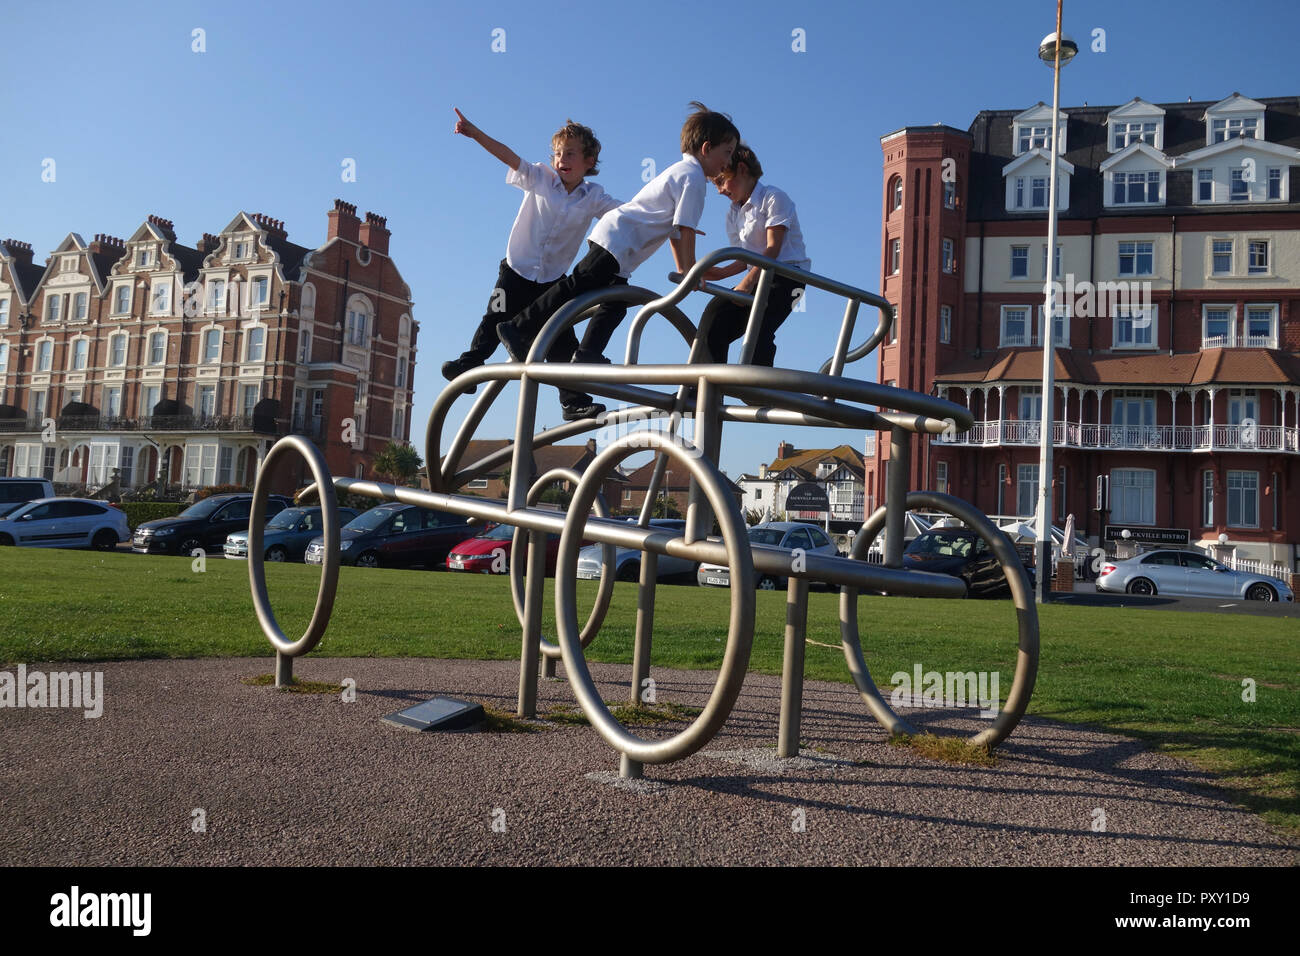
(203, 524)
(395, 536)
(962, 553)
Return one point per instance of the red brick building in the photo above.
(1177, 391)
(180, 366)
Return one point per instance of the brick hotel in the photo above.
(181, 366)
(1180, 414)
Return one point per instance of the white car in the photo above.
(782, 534)
(627, 561)
(65, 523)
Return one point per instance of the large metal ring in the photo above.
(329, 577)
(1022, 685)
(740, 633)
(520, 541)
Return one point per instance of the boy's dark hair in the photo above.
(706, 126)
(584, 135)
(744, 154)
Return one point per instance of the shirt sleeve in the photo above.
(603, 203)
(779, 209)
(690, 204)
(529, 177)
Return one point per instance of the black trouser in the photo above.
(513, 294)
(730, 319)
(597, 270)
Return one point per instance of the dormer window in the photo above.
(1232, 128)
(1032, 129)
(241, 249)
(143, 257)
(1033, 137)
(69, 263)
(1125, 134)
(1135, 188)
(1028, 182)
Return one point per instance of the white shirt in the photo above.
(635, 230)
(766, 207)
(551, 222)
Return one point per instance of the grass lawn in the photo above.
(1172, 679)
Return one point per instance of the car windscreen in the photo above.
(7, 510)
(201, 509)
(372, 519)
(285, 520)
(943, 545)
(502, 532)
(766, 535)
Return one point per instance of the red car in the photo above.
(489, 553)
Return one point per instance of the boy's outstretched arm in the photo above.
(683, 246)
(500, 150)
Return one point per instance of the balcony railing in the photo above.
(1235, 341)
(162, 423)
(1263, 438)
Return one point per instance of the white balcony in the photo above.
(1190, 438)
(1235, 341)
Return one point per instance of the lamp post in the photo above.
(1056, 50)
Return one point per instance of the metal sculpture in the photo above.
(826, 398)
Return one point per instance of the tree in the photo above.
(397, 463)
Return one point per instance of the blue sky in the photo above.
(138, 123)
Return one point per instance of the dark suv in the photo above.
(395, 536)
(203, 524)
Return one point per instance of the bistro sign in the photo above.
(1144, 535)
(807, 497)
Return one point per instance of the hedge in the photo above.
(138, 512)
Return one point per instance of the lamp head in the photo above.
(1223, 539)
(1047, 49)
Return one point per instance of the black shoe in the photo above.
(456, 368)
(576, 413)
(590, 358)
(509, 335)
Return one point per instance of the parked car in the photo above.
(19, 491)
(489, 552)
(627, 561)
(395, 536)
(782, 534)
(962, 553)
(1190, 573)
(287, 535)
(64, 523)
(204, 524)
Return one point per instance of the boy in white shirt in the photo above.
(557, 208)
(761, 219)
(668, 207)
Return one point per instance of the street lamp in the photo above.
(1055, 50)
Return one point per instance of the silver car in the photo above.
(627, 561)
(65, 523)
(781, 534)
(1189, 573)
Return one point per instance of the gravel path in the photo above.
(308, 779)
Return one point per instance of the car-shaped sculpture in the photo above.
(1190, 574)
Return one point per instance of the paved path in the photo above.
(308, 779)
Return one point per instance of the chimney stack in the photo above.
(274, 227)
(165, 226)
(107, 245)
(21, 251)
(784, 450)
(343, 221)
(208, 244)
(374, 233)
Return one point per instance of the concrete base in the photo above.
(440, 713)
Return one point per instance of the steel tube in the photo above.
(645, 622)
(796, 632)
(896, 494)
(532, 635)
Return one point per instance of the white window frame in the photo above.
(1136, 252)
(80, 307)
(896, 194)
(1232, 127)
(1056, 264)
(304, 345)
(1027, 489)
(1246, 484)
(160, 298)
(4, 311)
(1209, 341)
(1237, 175)
(1261, 270)
(155, 334)
(307, 302)
(1126, 132)
(400, 369)
(1060, 314)
(205, 357)
(147, 406)
(949, 257)
(200, 394)
(1207, 499)
(118, 291)
(1134, 316)
(1029, 403)
(945, 325)
(1275, 174)
(44, 355)
(79, 354)
(1005, 340)
(1204, 177)
(214, 295)
(895, 256)
(53, 309)
(399, 421)
(112, 348)
(244, 391)
(1271, 337)
(949, 194)
(1030, 136)
(1231, 254)
(1142, 483)
(248, 343)
(1141, 177)
(941, 477)
(113, 401)
(68, 263)
(1014, 259)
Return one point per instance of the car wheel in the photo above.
(277, 554)
(1260, 592)
(631, 571)
(104, 540)
(6, 541)
(1141, 586)
(368, 560)
(190, 545)
(767, 583)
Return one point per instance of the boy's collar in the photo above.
(691, 158)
